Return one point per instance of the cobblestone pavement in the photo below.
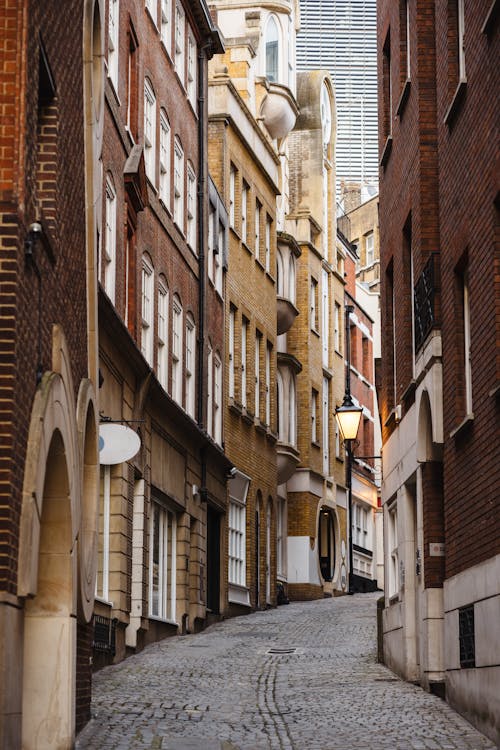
(225, 689)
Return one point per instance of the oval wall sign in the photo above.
(117, 443)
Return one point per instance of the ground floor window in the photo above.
(162, 561)
(237, 543)
(326, 546)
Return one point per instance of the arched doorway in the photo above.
(326, 545)
(49, 617)
(268, 550)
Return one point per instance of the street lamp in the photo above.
(348, 417)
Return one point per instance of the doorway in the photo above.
(326, 546)
(213, 561)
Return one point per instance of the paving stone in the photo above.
(222, 690)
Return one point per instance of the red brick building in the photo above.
(438, 91)
(51, 133)
(161, 331)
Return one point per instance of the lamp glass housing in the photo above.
(348, 417)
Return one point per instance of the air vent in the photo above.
(466, 636)
(282, 651)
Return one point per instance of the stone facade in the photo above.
(439, 395)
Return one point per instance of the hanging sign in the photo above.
(117, 443)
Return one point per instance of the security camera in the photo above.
(35, 228)
(232, 472)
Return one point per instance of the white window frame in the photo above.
(292, 411)
(268, 384)
(179, 184)
(313, 306)
(167, 563)
(258, 339)
(166, 25)
(237, 541)
(162, 356)
(113, 40)
(337, 328)
(272, 24)
(314, 416)
(231, 352)
(177, 349)
(152, 8)
(147, 310)
(243, 361)
(325, 314)
(149, 130)
(210, 389)
(369, 249)
(269, 223)
(467, 344)
(109, 255)
(460, 39)
(392, 539)
(218, 258)
(191, 68)
(232, 194)
(212, 218)
(217, 399)
(180, 42)
(244, 212)
(165, 157)
(191, 208)
(190, 368)
(258, 211)
(408, 48)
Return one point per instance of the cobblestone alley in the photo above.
(303, 676)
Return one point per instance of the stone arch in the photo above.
(328, 534)
(47, 568)
(427, 450)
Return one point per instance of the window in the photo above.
(291, 53)
(280, 274)
(162, 562)
(467, 343)
(151, 6)
(162, 366)
(179, 184)
(460, 39)
(404, 34)
(337, 328)
(102, 582)
(132, 98)
(149, 130)
(292, 412)
(326, 428)
(218, 399)
(258, 339)
(177, 345)
(313, 304)
(180, 41)
(191, 69)
(164, 159)
(369, 249)
(109, 255)
(191, 208)
(268, 243)
(386, 88)
(258, 207)
(232, 194)
(147, 310)
(393, 551)
(114, 13)
(190, 364)
(337, 440)
(165, 30)
(325, 314)
(218, 258)
(291, 278)
(272, 50)
(232, 366)
(238, 489)
(244, 209)
(210, 389)
(244, 340)
(314, 416)
(268, 384)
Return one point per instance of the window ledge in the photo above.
(456, 103)
(464, 425)
(405, 93)
(247, 415)
(113, 89)
(316, 333)
(164, 620)
(260, 426)
(271, 436)
(247, 248)
(105, 602)
(394, 599)
(495, 391)
(394, 416)
(315, 444)
(409, 392)
(235, 407)
(386, 151)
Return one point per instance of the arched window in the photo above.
(280, 278)
(190, 364)
(165, 169)
(272, 50)
(280, 404)
(109, 255)
(292, 412)
(177, 344)
(162, 361)
(147, 307)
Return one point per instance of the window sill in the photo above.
(409, 392)
(235, 407)
(166, 50)
(260, 426)
(163, 620)
(394, 416)
(456, 103)
(405, 94)
(271, 436)
(394, 599)
(316, 332)
(386, 151)
(495, 391)
(315, 444)
(246, 247)
(113, 89)
(248, 416)
(148, 13)
(238, 594)
(464, 426)
(104, 602)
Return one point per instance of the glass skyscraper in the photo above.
(341, 36)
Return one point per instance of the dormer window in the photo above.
(272, 50)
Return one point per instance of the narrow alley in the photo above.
(301, 677)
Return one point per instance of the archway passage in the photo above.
(326, 546)
(49, 618)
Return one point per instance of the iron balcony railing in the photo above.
(424, 301)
